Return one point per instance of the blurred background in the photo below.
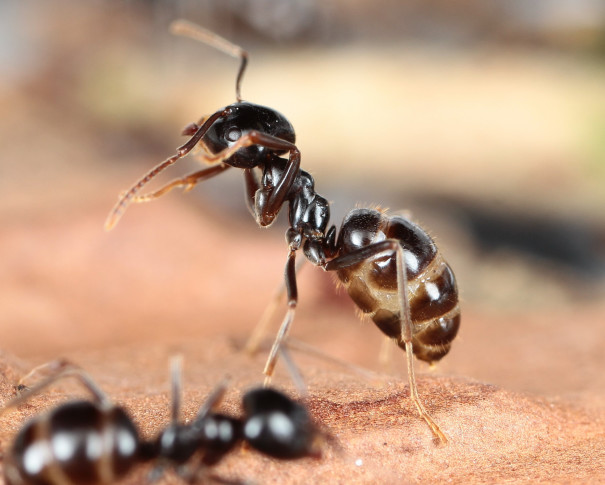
(484, 120)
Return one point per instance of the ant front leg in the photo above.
(392, 246)
(292, 291)
(266, 197)
(188, 182)
(219, 166)
(127, 197)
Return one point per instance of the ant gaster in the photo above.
(96, 442)
(390, 266)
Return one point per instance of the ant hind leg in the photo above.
(58, 369)
(392, 246)
(406, 338)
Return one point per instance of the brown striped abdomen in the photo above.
(372, 284)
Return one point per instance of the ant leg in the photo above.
(269, 199)
(406, 338)
(213, 400)
(264, 201)
(246, 140)
(290, 279)
(188, 182)
(293, 370)
(300, 346)
(252, 185)
(260, 330)
(59, 369)
(385, 354)
(192, 127)
(393, 246)
(126, 198)
(176, 386)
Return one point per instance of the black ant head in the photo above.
(278, 426)
(237, 120)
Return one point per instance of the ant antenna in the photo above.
(188, 29)
(126, 198)
(176, 384)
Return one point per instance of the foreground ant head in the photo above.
(241, 118)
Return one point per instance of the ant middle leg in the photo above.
(391, 246)
(406, 338)
(260, 330)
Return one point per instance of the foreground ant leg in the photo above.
(126, 198)
(292, 292)
(246, 140)
(188, 182)
(405, 337)
(294, 371)
(295, 344)
(256, 337)
(385, 354)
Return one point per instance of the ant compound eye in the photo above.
(234, 134)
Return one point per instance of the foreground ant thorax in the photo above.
(243, 117)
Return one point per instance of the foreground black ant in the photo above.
(96, 442)
(390, 266)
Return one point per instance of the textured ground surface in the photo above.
(552, 432)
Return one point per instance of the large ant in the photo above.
(390, 266)
(96, 442)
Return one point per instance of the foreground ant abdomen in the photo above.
(372, 283)
(78, 442)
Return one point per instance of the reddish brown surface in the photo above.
(148, 300)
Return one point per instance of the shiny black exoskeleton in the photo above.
(389, 265)
(96, 442)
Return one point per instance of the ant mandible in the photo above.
(389, 265)
(96, 442)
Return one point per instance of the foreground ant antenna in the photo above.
(188, 29)
(96, 442)
(390, 266)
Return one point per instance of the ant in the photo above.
(96, 442)
(389, 265)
